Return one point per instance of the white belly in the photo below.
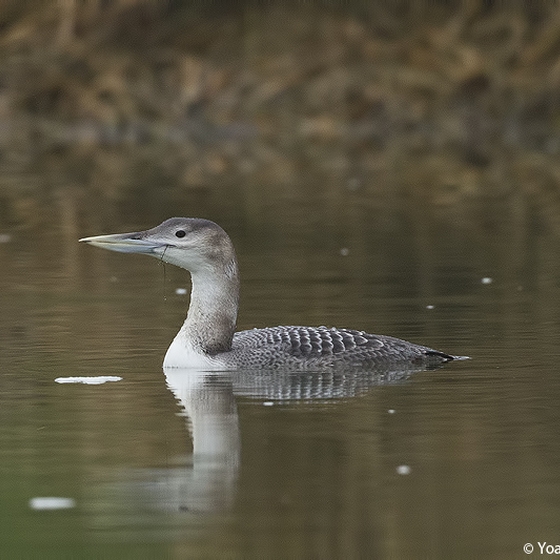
(181, 354)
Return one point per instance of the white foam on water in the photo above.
(97, 380)
(51, 502)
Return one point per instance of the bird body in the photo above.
(208, 341)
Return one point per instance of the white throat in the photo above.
(211, 319)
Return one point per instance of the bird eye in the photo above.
(180, 233)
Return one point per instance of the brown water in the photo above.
(459, 462)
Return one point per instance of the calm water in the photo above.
(459, 462)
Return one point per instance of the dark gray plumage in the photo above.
(316, 347)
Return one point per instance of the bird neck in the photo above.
(212, 313)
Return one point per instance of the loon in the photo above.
(208, 341)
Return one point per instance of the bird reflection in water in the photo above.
(168, 499)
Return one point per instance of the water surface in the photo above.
(456, 462)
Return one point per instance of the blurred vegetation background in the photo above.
(445, 100)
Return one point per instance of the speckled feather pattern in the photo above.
(316, 347)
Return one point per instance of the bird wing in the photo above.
(308, 343)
